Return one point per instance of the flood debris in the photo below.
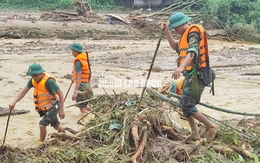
(5, 111)
(144, 135)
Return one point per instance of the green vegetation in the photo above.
(239, 17)
(61, 4)
(36, 4)
(230, 13)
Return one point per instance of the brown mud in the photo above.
(120, 55)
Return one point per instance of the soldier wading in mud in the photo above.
(81, 74)
(192, 63)
(48, 99)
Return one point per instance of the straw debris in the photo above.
(121, 133)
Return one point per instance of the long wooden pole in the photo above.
(151, 66)
(154, 93)
(7, 124)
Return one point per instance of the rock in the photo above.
(2, 33)
(214, 51)
(53, 72)
(10, 34)
(217, 32)
(95, 86)
(17, 35)
(156, 69)
(65, 24)
(68, 76)
(253, 48)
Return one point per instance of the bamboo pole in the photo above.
(218, 108)
(176, 103)
(226, 126)
(154, 93)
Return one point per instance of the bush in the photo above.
(228, 13)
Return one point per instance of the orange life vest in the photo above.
(82, 57)
(179, 86)
(43, 100)
(184, 46)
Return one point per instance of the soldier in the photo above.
(48, 99)
(191, 60)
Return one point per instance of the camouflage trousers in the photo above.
(187, 102)
(50, 116)
(84, 92)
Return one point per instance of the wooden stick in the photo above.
(80, 102)
(92, 111)
(86, 130)
(123, 134)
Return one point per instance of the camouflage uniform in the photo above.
(50, 116)
(187, 102)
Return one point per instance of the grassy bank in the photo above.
(54, 4)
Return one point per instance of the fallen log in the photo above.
(5, 111)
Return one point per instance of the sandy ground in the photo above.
(121, 66)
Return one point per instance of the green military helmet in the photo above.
(76, 47)
(177, 19)
(35, 69)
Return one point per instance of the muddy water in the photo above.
(124, 60)
(23, 130)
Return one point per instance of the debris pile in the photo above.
(83, 13)
(121, 133)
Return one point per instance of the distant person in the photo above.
(191, 62)
(81, 74)
(48, 99)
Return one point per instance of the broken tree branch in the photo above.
(142, 140)
(134, 131)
